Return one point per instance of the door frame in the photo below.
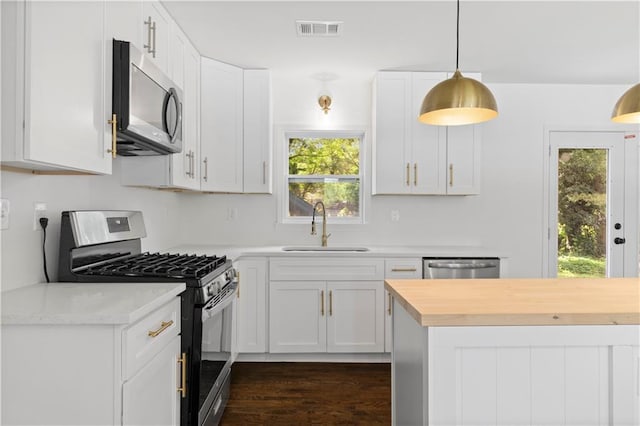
(630, 196)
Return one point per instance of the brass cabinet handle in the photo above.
(451, 174)
(408, 171)
(183, 388)
(153, 27)
(330, 303)
(238, 281)
(403, 269)
(148, 44)
(322, 302)
(206, 169)
(163, 326)
(114, 130)
(390, 300)
(415, 174)
(190, 169)
(264, 172)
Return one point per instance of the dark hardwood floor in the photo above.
(309, 393)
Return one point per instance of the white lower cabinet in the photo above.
(397, 269)
(145, 400)
(81, 374)
(326, 305)
(251, 324)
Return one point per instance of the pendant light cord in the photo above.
(457, 33)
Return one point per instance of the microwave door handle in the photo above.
(172, 93)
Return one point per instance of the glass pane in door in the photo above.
(582, 212)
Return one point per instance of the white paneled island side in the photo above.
(516, 351)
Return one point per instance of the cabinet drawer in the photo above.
(403, 268)
(353, 269)
(146, 338)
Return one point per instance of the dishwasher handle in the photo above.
(451, 265)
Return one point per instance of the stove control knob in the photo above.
(209, 291)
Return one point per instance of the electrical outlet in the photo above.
(4, 213)
(395, 215)
(39, 210)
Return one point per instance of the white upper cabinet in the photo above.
(221, 127)
(414, 158)
(123, 23)
(236, 130)
(178, 170)
(156, 34)
(53, 86)
(257, 131)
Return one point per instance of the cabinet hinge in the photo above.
(549, 150)
(548, 233)
(24, 125)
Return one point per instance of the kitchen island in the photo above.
(516, 351)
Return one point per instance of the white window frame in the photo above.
(284, 202)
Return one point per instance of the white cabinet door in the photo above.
(463, 160)
(64, 85)
(257, 131)
(251, 305)
(123, 23)
(151, 397)
(221, 127)
(414, 158)
(428, 144)
(392, 166)
(185, 63)
(297, 316)
(355, 321)
(156, 29)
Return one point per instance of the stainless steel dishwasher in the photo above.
(460, 267)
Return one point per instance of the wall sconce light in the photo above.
(325, 102)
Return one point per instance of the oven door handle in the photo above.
(209, 310)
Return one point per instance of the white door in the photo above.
(355, 321)
(587, 232)
(150, 397)
(297, 316)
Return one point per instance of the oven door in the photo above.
(216, 358)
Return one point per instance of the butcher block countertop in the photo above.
(550, 301)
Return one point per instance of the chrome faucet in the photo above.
(324, 223)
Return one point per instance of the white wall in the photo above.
(507, 216)
(22, 246)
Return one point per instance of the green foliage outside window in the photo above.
(327, 170)
(582, 209)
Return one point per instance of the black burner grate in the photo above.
(160, 265)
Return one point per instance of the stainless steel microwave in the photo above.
(146, 103)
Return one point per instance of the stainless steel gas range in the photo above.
(105, 246)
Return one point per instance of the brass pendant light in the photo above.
(458, 100)
(627, 109)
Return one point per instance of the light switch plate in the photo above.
(5, 209)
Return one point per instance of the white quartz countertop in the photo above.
(235, 252)
(85, 303)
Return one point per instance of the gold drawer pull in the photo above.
(163, 326)
(403, 269)
(330, 303)
(322, 302)
(114, 139)
(390, 301)
(183, 389)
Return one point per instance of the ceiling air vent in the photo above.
(319, 28)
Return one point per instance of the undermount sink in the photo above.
(315, 248)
